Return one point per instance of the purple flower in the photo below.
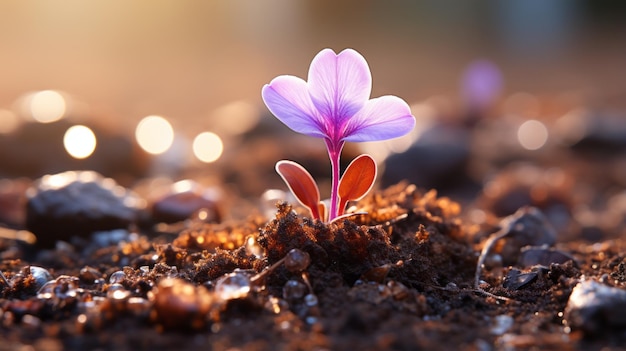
(334, 104)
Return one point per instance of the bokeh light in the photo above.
(79, 141)
(235, 118)
(532, 135)
(208, 147)
(47, 106)
(8, 121)
(154, 134)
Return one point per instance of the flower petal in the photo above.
(288, 99)
(382, 118)
(339, 84)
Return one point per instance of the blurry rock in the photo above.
(544, 256)
(595, 308)
(592, 132)
(181, 305)
(77, 203)
(522, 184)
(516, 280)
(528, 226)
(439, 160)
(180, 203)
(40, 275)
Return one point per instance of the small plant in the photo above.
(334, 104)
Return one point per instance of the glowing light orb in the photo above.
(154, 134)
(47, 106)
(79, 141)
(235, 118)
(208, 147)
(532, 135)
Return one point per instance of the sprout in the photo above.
(334, 104)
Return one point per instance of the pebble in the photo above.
(526, 227)
(297, 260)
(77, 203)
(294, 290)
(62, 288)
(179, 304)
(376, 274)
(183, 200)
(516, 279)
(235, 285)
(533, 255)
(117, 277)
(41, 276)
(596, 308)
(592, 132)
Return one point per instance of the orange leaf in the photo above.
(301, 184)
(357, 180)
(322, 208)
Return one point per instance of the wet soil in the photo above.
(402, 276)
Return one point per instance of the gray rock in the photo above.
(595, 308)
(62, 205)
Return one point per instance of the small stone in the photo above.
(89, 274)
(183, 200)
(596, 308)
(543, 255)
(41, 276)
(294, 290)
(181, 305)
(234, 285)
(77, 203)
(297, 260)
(117, 277)
(443, 153)
(527, 226)
(376, 274)
(592, 132)
(63, 287)
(516, 279)
(253, 248)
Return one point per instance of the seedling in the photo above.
(334, 104)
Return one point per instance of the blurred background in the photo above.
(149, 88)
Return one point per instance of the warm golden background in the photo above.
(185, 58)
(119, 61)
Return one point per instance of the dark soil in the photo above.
(401, 277)
(192, 271)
